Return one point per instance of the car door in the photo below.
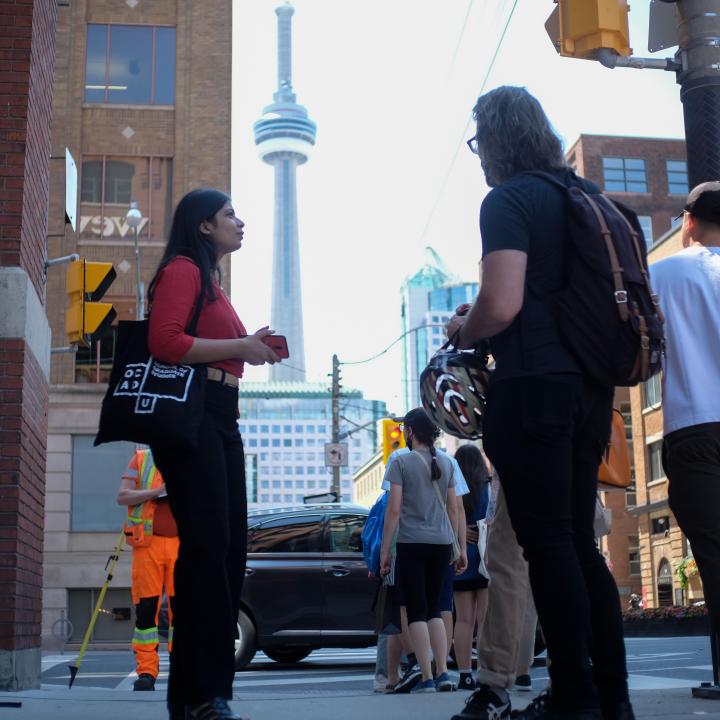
(283, 583)
(348, 592)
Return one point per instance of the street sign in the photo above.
(336, 454)
(71, 189)
(664, 20)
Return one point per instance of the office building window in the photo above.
(624, 174)
(264, 442)
(655, 468)
(264, 428)
(646, 225)
(96, 473)
(677, 177)
(287, 442)
(130, 65)
(109, 184)
(652, 392)
(634, 554)
(631, 496)
(275, 442)
(287, 428)
(660, 525)
(276, 428)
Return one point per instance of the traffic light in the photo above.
(579, 28)
(85, 318)
(392, 438)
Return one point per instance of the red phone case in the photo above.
(278, 343)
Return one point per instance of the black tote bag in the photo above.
(151, 402)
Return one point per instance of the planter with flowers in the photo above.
(666, 621)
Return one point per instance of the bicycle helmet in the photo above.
(453, 388)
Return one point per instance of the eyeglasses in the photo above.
(472, 143)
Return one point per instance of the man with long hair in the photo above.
(547, 422)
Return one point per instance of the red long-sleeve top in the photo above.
(174, 297)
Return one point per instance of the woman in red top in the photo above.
(206, 486)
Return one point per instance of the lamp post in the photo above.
(134, 218)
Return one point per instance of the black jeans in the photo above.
(422, 568)
(206, 490)
(691, 458)
(545, 436)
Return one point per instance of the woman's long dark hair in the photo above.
(473, 468)
(514, 134)
(425, 430)
(187, 240)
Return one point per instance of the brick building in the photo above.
(27, 53)
(650, 176)
(142, 101)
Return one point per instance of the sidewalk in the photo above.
(53, 703)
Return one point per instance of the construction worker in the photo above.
(151, 531)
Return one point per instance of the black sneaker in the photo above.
(621, 711)
(144, 682)
(484, 704)
(539, 709)
(216, 709)
(523, 683)
(466, 682)
(409, 680)
(536, 709)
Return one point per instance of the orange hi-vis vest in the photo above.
(139, 524)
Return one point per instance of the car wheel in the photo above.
(245, 642)
(288, 654)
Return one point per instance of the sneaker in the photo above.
(539, 709)
(426, 686)
(379, 683)
(466, 682)
(623, 711)
(216, 709)
(536, 709)
(144, 682)
(523, 683)
(444, 683)
(484, 704)
(409, 680)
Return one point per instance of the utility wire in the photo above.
(394, 342)
(460, 38)
(461, 142)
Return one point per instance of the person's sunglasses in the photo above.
(472, 143)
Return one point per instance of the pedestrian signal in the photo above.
(86, 319)
(392, 438)
(579, 28)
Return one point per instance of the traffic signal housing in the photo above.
(579, 28)
(87, 319)
(392, 438)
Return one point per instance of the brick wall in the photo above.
(27, 51)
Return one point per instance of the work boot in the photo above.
(144, 682)
(215, 709)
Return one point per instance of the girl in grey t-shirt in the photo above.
(425, 535)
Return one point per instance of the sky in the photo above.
(391, 85)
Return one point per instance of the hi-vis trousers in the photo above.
(152, 570)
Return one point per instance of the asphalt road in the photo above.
(653, 664)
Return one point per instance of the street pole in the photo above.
(336, 422)
(699, 80)
(134, 218)
(138, 291)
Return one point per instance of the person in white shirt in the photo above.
(688, 285)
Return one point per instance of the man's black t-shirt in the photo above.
(528, 213)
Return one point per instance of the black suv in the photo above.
(306, 583)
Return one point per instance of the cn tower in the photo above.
(284, 137)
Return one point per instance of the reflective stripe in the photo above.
(147, 475)
(149, 636)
